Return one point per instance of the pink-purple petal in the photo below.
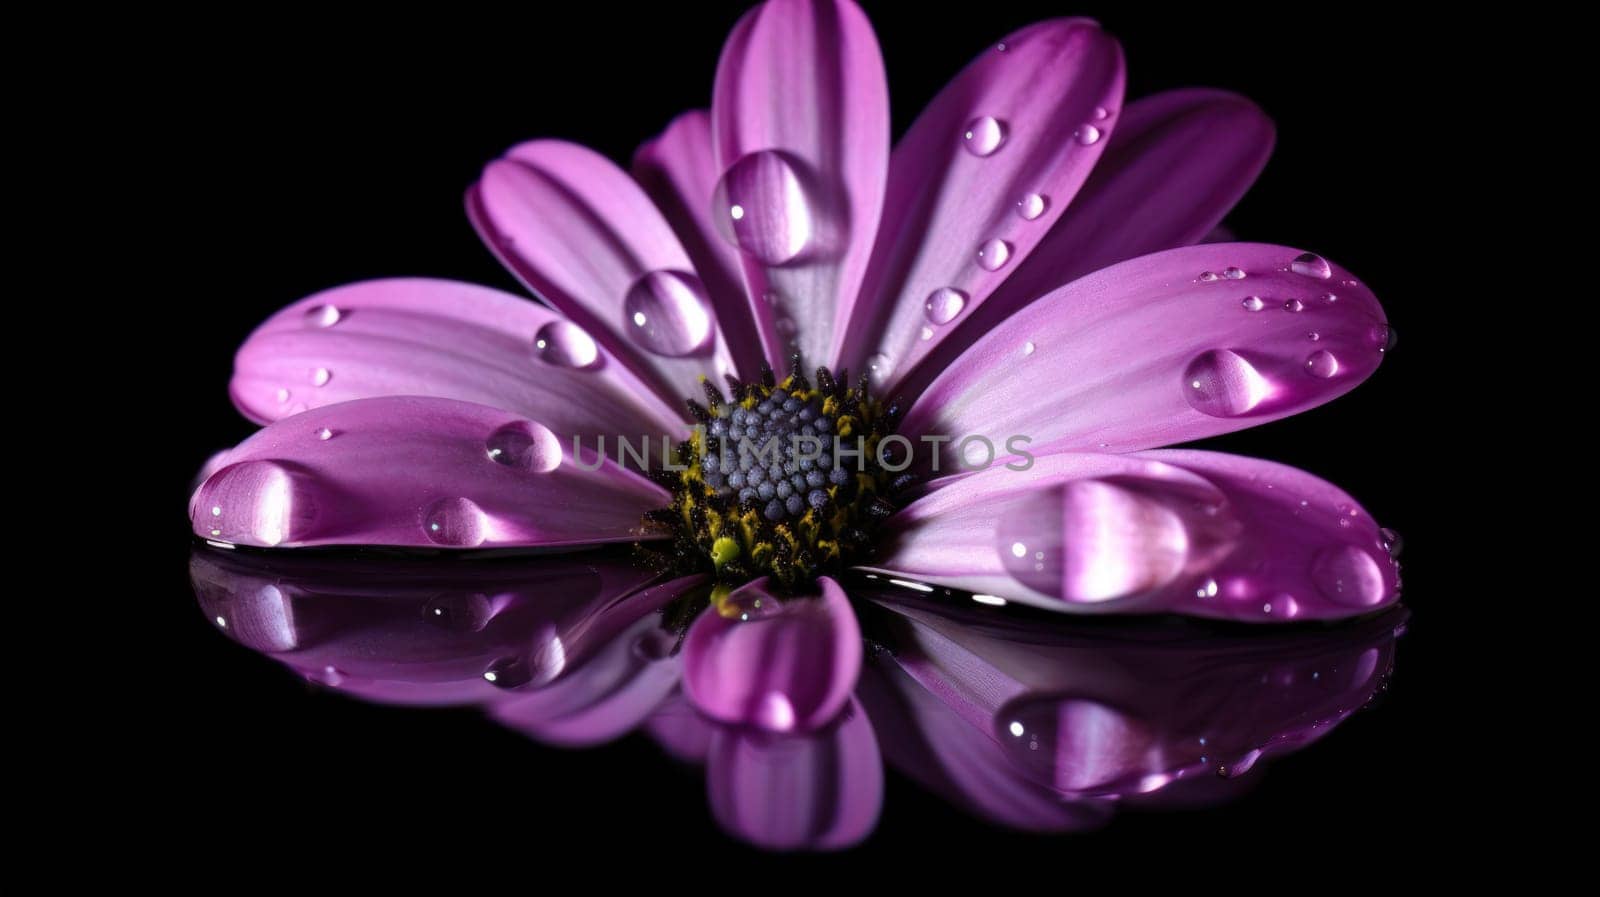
(800, 117)
(988, 167)
(782, 664)
(442, 338)
(1162, 349)
(586, 239)
(678, 171)
(1176, 164)
(417, 472)
(814, 791)
(1194, 533)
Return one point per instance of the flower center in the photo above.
(781, 480)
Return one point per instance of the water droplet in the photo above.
(1314, 336)
(508, 672)
(322, 316)
(324, 434)
(993, 255)
(1311, 265)
(927, 332)
(1207, 276)
(984, 135)
(763, 207)
(1321, 363)
(1294, 305)
(1208, 589)
(944, 304)
(1390, 541)
(1347, 575)
(879, 367)
(1088, 135)
(283, 395)
(1382, 336)
(257, 503)
(1233, 273)
(1028, 347)
(565, 344)
(667, 312)
(525, 445)
(1000, 47)
(1252, 303)
(459, 613)
(1032, 206)
(330, 676)
(321, 376)
(1101, 113)
(454, 521)
(1223, 384)
(1328, 298)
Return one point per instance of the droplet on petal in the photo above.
(1311, 265)
(983, 136)
(565, 344)
(944, 304)
(1088, 135)
(525, 445)
(1347, 575)
(456, 522)
(322, 316)
(993, 255)
(1223, 383)
(762, 206)
(1031, 206)
(1322, 364)
(667, 312)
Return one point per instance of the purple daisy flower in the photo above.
(1020, 288)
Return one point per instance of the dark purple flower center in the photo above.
(781, 480)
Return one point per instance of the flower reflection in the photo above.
(1041, 724)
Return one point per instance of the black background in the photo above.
(298, 155)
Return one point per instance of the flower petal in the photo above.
(1176, 165)
(1196, 533)
(423, 337)
(423, 472)
(680, 730)
(678, 170)
(800, 114)
(1163, 349)
(585, 238)
(1098, 712)
(816, 791)
(977, 183)
(409, 631)
(784, 665)
(627, 674)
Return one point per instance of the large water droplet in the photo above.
(459, 613)
(322, 316)
(525, 445)
(565, 344)
(1032, 206)
(1347, 575)
(1222, 383)
(993, 255)
(1088, 135)
(944, 304)
(762, 206)
(454, 521)
(256, 503)
(667, 312)
(1091, 540)
(1322, 364)
(879, 367)
(1252, 303)
(1382, 336)
(983, 135)
(1310, 264)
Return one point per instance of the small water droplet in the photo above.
(879, 367)
(330, 676)
(1207, 276)
(1088, 135)
(283, 395)
(667, 312)
(944, 304)
(1222, 383)
(454, 521)
(1032, 206)
(1252, 303)
(1321, 363)
(1382, 336)
(1390, 541)
(321, 376)
(508, 672)
(459, 613)
(927, 332)
(565, 344)
(983, 135)
(1208, 589)
(324, 434)
(1310, 264)
(1233, 273)
(525, 445)
(993, 255)
(1101, 113)
(1000, 47)
(1328, 298)
(1294, 305)
(1314, 336)
(1028, 347)
(322, 316)
(762, 206)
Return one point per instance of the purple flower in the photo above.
(1020, 286)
